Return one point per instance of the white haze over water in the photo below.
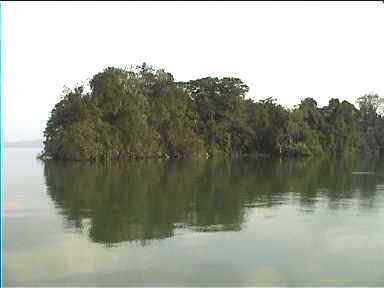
(284, 50)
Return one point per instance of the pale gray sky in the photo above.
(284, 50)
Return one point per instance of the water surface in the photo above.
(246, 222)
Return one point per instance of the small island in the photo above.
(142, 113)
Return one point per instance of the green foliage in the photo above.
(144, 113)
(371, 123)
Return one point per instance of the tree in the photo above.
(371, 106)
(143, 112)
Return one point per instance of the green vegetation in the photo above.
(144, 113)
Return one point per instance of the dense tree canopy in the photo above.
(144, 113)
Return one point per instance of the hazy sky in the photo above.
(284, 50)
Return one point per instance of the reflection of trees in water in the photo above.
(142, 201)
(147, 200)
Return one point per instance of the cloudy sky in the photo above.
(283, 50)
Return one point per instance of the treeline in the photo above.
(144, 113)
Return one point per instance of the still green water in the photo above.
(245, 222)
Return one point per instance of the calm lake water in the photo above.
(249, 222)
